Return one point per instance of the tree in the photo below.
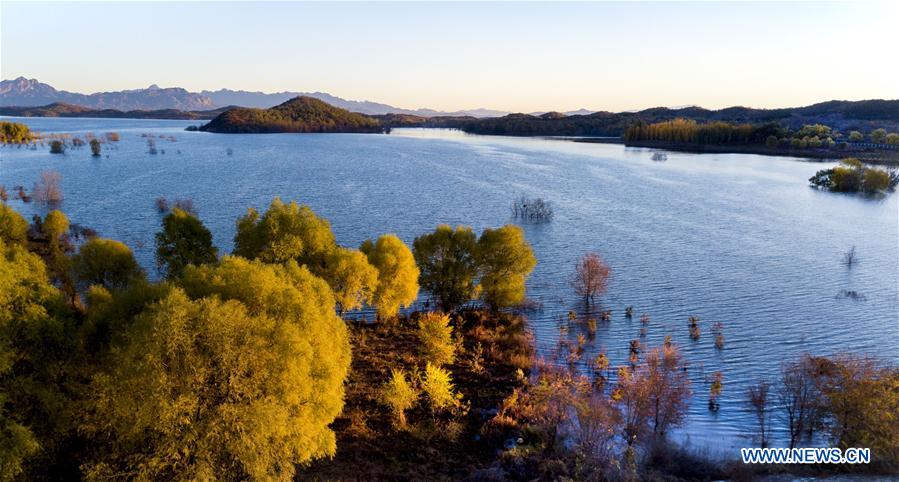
(47, 189)
(284, 232)
(95, 147)
(36, 344)
(878, 136)
(13, 227)
(436, 337)
(399, 395)
(505, 261)
(797, 396)
(591, 277)
(183, 241)
(107, 263)
(757, 398)
(438, 387)
(669, 387)
(397, 274)
(235, 374)
(771, 142)
(856, 136)
(352, 278)
(892, 138)
(448, 265)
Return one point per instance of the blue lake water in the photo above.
(736, 239)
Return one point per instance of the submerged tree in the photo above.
(591, 277)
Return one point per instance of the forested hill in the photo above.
(864, 116)
(301, 114)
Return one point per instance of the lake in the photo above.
(731, 238)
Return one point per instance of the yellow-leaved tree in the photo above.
(234, 374)
(352, 278)
(505, 260)
(285, 232)
(397, 274)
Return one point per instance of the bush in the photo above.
(398, 395)
(95, 147)
(57, 147)
(48, 189)
(438, 386)
(532, 210)
(436, 336)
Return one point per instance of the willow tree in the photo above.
(284, 232)
(397, 274)
(505, 261)
(235, 374)
(13, 227)
(107, 263)
(448, 264)
(183, 241)
(352, 278)
(36, 341)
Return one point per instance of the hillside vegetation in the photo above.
(302, 114)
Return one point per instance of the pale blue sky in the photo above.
(510, 56)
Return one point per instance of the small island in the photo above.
(301, 114)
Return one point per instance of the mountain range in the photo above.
(22, 92)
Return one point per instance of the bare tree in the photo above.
(758, 400)
(591, 277)
(797, 396)
(48, 189)
(849, 257)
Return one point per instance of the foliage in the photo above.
(691, 132)
(397, 274)
(448, 264)
(13, 227)
(14, 133)
(57, 147)
(352, 278)
(505, 261)
(107, 263)
(591, 276)
(878, 136)
(285, 232)
(892, 138)
(436, 337)
(301, 114)
(853, 176)
(438, 387)
(856, 136)
(398, 395)
(183, 241)
(180, 397)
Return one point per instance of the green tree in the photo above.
(892, 138)
(234, 375)
(352, 278)
(183, 241)
(856, 136)
(13, 227)
(107, 263)
(397, 274)
(284, 232)
(878, 136)
(448, 264)
(55, 228)
(505, 260)
(771, 142)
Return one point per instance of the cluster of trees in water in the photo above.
(772, 135)
(20, 135)
(854, 176)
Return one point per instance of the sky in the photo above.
(519, 57)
